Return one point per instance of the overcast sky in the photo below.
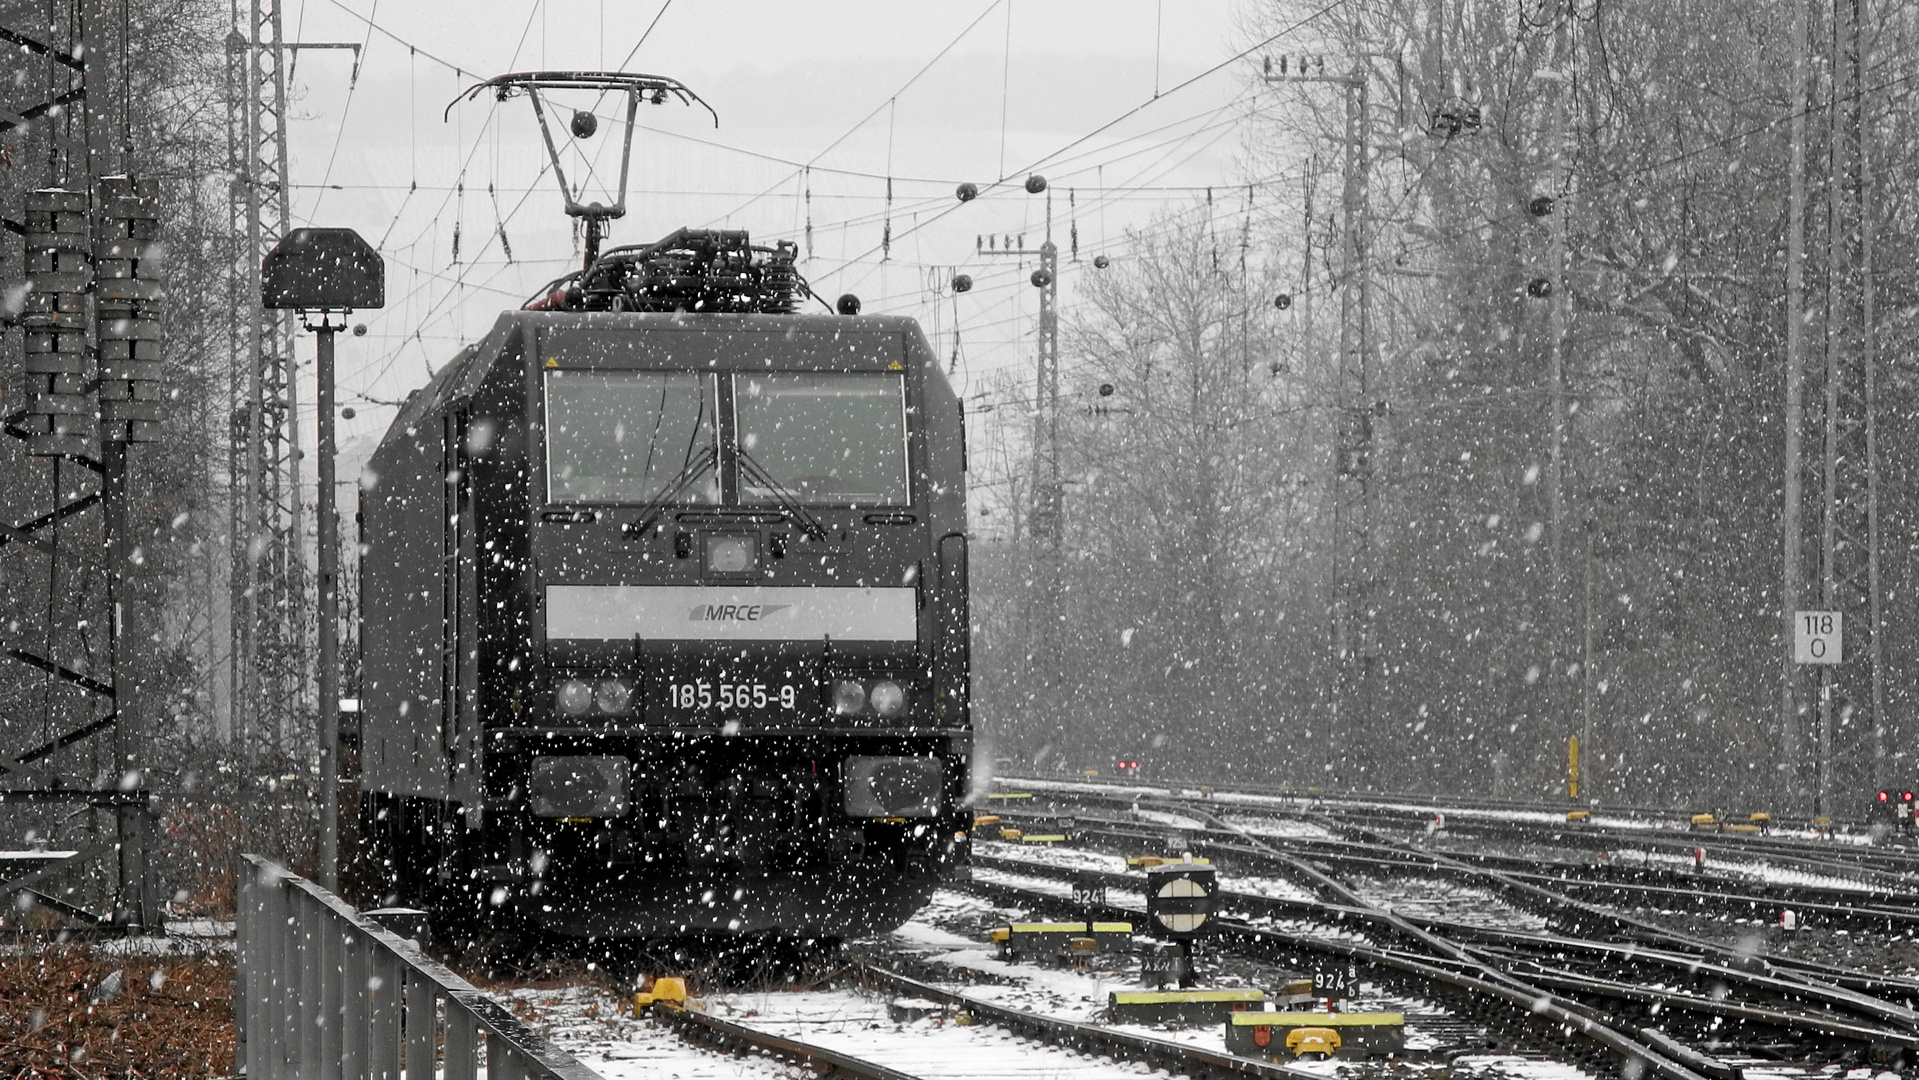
(859, 90)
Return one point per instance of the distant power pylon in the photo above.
(270, 705)
(1848, 692)
(1355, 631)
(1047, 519)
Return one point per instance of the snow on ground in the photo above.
(1161, 817)
(1071, 858)
(1717, 865)
(934, 1047)
(1283, 828)
(1081, 995)
(586, 1023)
(1432, 898)
(1271, 888)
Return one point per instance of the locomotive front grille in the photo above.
(900, 787)
(578, 786)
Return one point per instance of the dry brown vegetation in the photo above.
(171, 1017)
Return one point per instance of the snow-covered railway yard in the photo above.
(946, 945)
(1427, 939)
(1562, 954)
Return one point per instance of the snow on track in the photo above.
(585, 1022)
(928, 1048)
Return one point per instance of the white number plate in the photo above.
(728, 696)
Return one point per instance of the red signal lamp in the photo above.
(1905, 796)
(1885, 795)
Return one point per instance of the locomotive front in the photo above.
(700, 590)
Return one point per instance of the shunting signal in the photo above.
(1126, 766)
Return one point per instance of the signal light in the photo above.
(1905, 796)
(1884, 795)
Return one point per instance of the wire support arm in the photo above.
(656, 88)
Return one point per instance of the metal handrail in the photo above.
(322, 992)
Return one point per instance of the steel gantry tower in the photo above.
(270, 663)
(1355, 632)
(1850, 695)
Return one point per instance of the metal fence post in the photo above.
(420, 1008)
(383, 1019)
(274, 1008)
(245, 928)
(354, 974)
(499, 1060)
(306, 1012)
(462, 1042)
(332, 976)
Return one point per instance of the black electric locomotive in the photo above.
(664, 611)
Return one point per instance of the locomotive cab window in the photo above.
(627, 436)
(837, 439)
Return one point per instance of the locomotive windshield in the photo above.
(823, 438)
(623, 436)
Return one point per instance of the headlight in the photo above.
(888, 699)
(613, 695)
(849, 697)
(730, 554)
(574, 697)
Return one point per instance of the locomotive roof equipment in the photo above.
(635, 86)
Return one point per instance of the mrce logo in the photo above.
(734, 612)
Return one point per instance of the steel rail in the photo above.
(1540, 891)
(709, 1030)
(1795, 1022)
(1902, 1015)
(1858, 864)
(1318, 796)
(1585, 914)
(1525, 949)
(1812, 857)
(1695, 891)
(1812, 976)
(1533, 1006)
(1617, 882)
(1175, 1058)
(1889, 861)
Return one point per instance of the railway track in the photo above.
(1609, 829)
(1517, 1015)
(1574, 906)
(1883, 903)
(972, 1039)
(1812, 1006)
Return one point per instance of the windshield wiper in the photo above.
(753, 471)
(696, 467)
